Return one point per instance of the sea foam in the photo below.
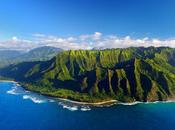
(51, 100)
(86, 108)
(13, 91)
(129, 104)
(33, 98)
(71, 108)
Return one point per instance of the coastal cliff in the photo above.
(131, 74)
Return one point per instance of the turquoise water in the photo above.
(23, 110)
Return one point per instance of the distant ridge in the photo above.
(37, 54)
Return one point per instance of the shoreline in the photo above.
(10, 81)
(102, 103)
(109, 102)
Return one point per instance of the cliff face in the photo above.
(144, 74)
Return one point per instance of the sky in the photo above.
(86, 24)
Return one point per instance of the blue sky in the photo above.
(154, 18)
(69, 18)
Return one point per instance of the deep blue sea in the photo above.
(24, 110)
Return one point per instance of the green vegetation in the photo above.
(65, 93)
(143, 74)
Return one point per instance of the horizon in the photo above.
(93, 49)
(87, 24)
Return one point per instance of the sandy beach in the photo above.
(88, 103)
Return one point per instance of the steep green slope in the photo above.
(143, 74)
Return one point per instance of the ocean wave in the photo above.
(13, 91)
(129, 104)
(33, 98)
(27, 91)
(69, 107)
(73, 107)
(17, 90)
(51, 100)
(137, 102)
(86, 108)
(168, 101)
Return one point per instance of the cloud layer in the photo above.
(88, 41)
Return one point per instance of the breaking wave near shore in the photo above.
(16, 89)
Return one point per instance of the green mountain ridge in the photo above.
(38, 54)
(142, 74)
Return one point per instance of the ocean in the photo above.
(25, 110)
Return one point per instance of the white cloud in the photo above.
(17, 44)
(95, 36)
(14, 38)
(88, 41)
